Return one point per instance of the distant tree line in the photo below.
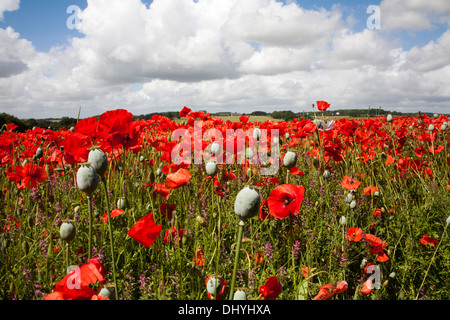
(26, 124)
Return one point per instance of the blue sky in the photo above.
(217, 55)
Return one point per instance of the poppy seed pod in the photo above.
(257, 134)
(107, 292)
(98, 160)
(353, 204)
(215, 149)
(430, 127)
(326, 174)
(389, 118)
(121, 204)
(247, 203)
(211, 168)
(87, 178)
(290, 159)
(67, 231)
(240, 295)
(213, 285)
(39, 152)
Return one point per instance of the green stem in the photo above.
(90, 227)
(236, 258)
(111, 243)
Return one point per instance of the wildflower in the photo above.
(75, 285)
(377, 212)
(114, 213)
(349, 183)
(328, 290)
(367, 287)
(370, 190)
(377, 247)
(428, 240)
(286, 199)
(177, 179)
(271, 289)
(199, 258)
(145, 231)
(29, 175)
(323, 105)
(306, 271)
(354, 234)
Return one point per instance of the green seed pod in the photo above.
(389, 118)
(247, 203)
(257, 134)
(353, 204)
(326, 174)
(290, 159)
(215, 149)
(98, 160)
(107, 292)
(201, 221)
(430, 127)
(240, 295)
(87, 179)
(211, 168)
(67, 231)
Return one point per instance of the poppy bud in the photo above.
(343, 221)
(76, 209)
(289, 160)
(240, 295)
(87, 179)
(211, 168)
(67, 231)
(247, 203)
(98, 160)
(158, 172)
(201, 221)
(141, 159)
(39, 152)
(121, 204)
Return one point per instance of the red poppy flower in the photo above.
(323, 105)
(349, 183)
(377, 212)
(285, 199)
(114, 213)
(29, 175)
(271, 289)
(370, 190)
(162, 190)
(354, 234)
(199, 258)
(145, 231)
(264, 211)
(367, 287)
(75, 285)
(178, 179)
(184, 113)
(171, 233)
(377, 247)
(327, 291)
(428, 240)
(243, 119)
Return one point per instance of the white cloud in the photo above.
(414, 14)
(8, 5)
(222, 55)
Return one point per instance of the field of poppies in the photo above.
(117, 208)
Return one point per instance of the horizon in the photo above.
(151, 56)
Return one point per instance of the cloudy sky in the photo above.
(222, 55)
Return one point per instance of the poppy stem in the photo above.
(111, 243)
(236, 258)
(90, 227)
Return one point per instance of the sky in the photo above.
(57, 56)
